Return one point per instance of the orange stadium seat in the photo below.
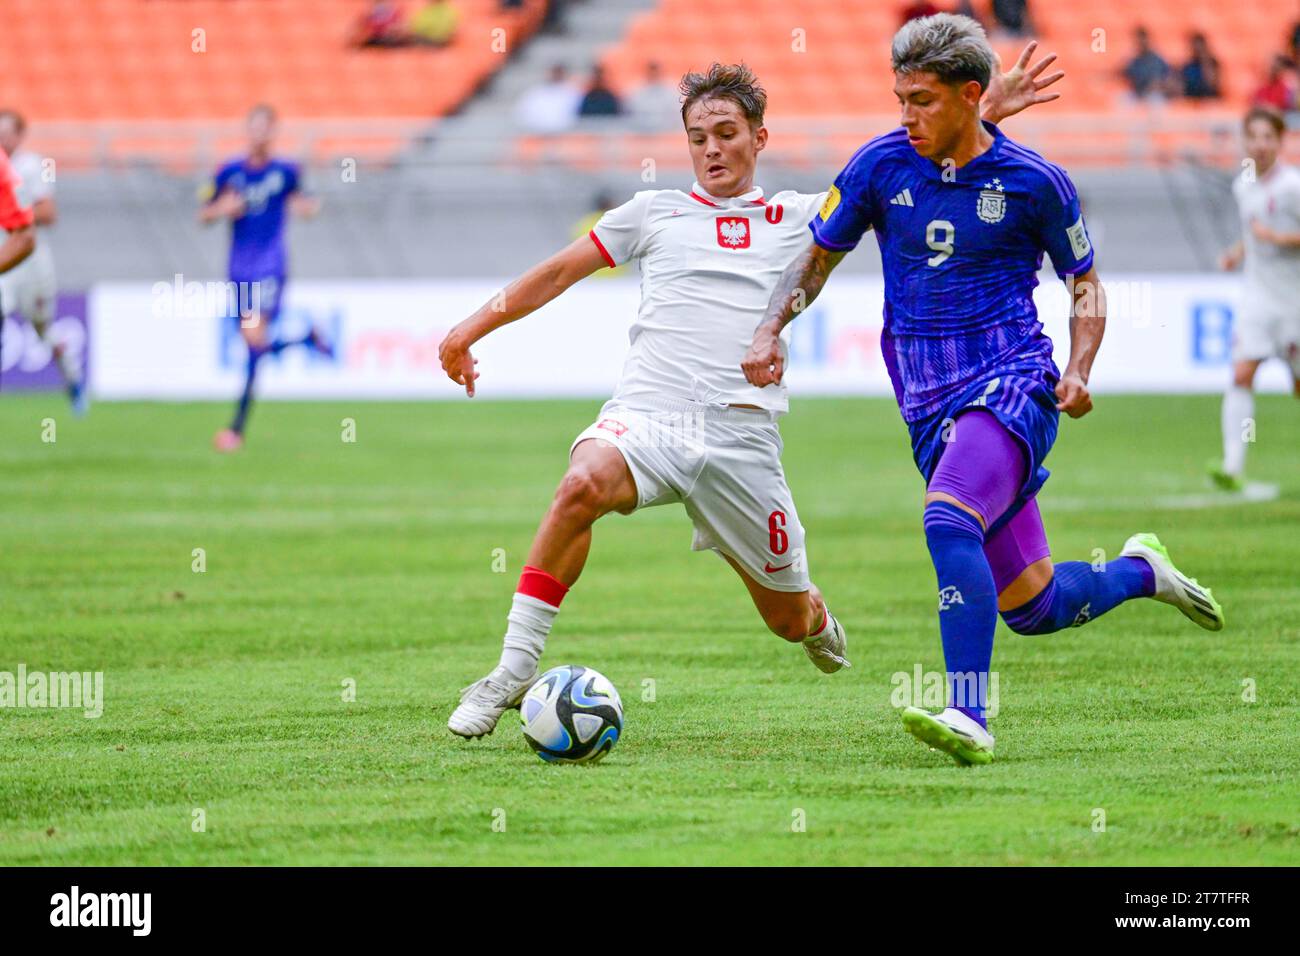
(133, 59)
(824, 61)
(843, 67)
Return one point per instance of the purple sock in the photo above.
(1078, 594)
(968, 603)
(279, 345)
(983, 467)
(246, 396)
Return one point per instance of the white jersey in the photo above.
(708, 269)
(33, 186)
(29, 287)
(1272, 273)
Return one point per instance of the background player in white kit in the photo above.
(1268, 324)
(29, 288)
(17, 233)
(684, 425)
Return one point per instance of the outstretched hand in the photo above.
(1022, 86)
(230, 205)
(457, 361)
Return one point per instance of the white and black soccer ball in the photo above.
(571, 715)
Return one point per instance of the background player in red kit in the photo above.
(16, 222)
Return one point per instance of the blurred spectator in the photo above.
(966, 8)
(381, 25)
(1279, 91)
(1012, 16)
(1295, 43)
(551, 107)
(1200, 74)
(599, 100)
(553, 20)
(918, 9)
(602, 202)
(435, 23)
(656, 104)
(1147, 73)
(512, 4)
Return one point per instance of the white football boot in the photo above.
(957, 735)
(483, 702)
(1174, 587)
(827, 651)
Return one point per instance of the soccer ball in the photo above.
(571, 715)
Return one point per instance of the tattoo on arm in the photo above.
(801, 283)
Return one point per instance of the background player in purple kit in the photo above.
(254, 192)
(963, 216)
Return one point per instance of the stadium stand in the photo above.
(845, 41)
(144, 60)
(837, 46)
(136, 120)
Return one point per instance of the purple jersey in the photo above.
(961, 249)
(257, 238)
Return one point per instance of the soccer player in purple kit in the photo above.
(963, 216)
(254, 192)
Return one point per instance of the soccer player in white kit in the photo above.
(29, 288)
(684, 425)
(1268, 324)
(17, 232)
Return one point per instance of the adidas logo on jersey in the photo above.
(902, 199)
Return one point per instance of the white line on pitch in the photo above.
(1253, 493)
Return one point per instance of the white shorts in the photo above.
(724, 465)
(29, 288)
(1262, 333)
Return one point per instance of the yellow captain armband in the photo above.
(832, 201)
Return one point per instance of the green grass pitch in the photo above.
(372, 562)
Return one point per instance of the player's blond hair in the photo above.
(952, 47)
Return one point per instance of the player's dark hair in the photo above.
(726, 81)
(1270, 116)
(952, 47)
(264, 109)
(15, 117)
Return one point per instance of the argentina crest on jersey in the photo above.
(992, 203)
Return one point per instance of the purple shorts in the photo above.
(983, 466)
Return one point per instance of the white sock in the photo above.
(1238, 405)
(527, 625)
(823, 630)
(62, 356)
(67, 366)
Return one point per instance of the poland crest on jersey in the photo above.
(733, 232)
(992, 203)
